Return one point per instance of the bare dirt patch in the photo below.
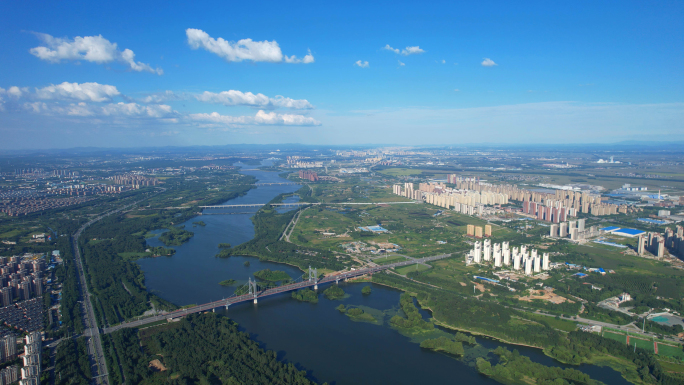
(157, 366)
(546, 295)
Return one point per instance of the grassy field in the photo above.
(400, 172)
(608, 258)
(671, 351)
(671, 366)
(559, 324)
(389, 259)
(403, 270)
(413, 227)
(615, 336)
(640, 343)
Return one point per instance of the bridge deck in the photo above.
(266, 293)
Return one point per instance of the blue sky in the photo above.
(580, 72)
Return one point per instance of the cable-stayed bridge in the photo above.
(254, 291)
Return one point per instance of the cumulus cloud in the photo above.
(362, 64)
(95, 49)
(244, 49)
(306, 59)
(161, 97)
(93, 92)
(17, 92)
(261, 118)
(114, 110)
(235, 98)
(487, 62)
(406, 51)
(401, 64)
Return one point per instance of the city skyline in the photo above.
(81, 75)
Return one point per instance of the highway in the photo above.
(92, 332)
(276, 290)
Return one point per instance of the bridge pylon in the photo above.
(252, 288)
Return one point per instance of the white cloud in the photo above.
(487, 62)
(306, 59)
(93, 92)
(401, 64)
(443, 61)
(244, 49)
(457, 90)
(95, 49)
(161, 97)
(114, 110)
(362, 64)
(137, 110)
(406, 51)
(235, 98)
(17, 92)
(261, 118)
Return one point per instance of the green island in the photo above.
(514, 368)
(224, 246)
(357, 314)
(414, 321)
(228, 282)
(272, 275)
(305, 295)
(366, 290)
(246, 264)
(199, 223)
(199, 349)
(175, 236)
(443, 344)
(161, 251)
(224, 253)
(334, 292)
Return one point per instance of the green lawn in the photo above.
(400, 172)
(410, 268)
(389, 259)
(617, 337)
(644, 344)
(559, 324)
(671, 351)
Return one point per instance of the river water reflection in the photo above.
(315, 337)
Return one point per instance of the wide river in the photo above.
(316, 337)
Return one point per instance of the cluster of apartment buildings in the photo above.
(309, 175)
(30, 372)
(466, 201)
(9, 375)
(20, 279)
(502, 255)
(572, 201)
(476, 231)
(8, 352)
(83, 190)
(657, 243)
(24, 206)
(574, 229)
(471, 192)
(297, 162)
(134, 180)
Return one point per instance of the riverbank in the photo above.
(627, 369)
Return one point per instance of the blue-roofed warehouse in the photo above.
(628, 232)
